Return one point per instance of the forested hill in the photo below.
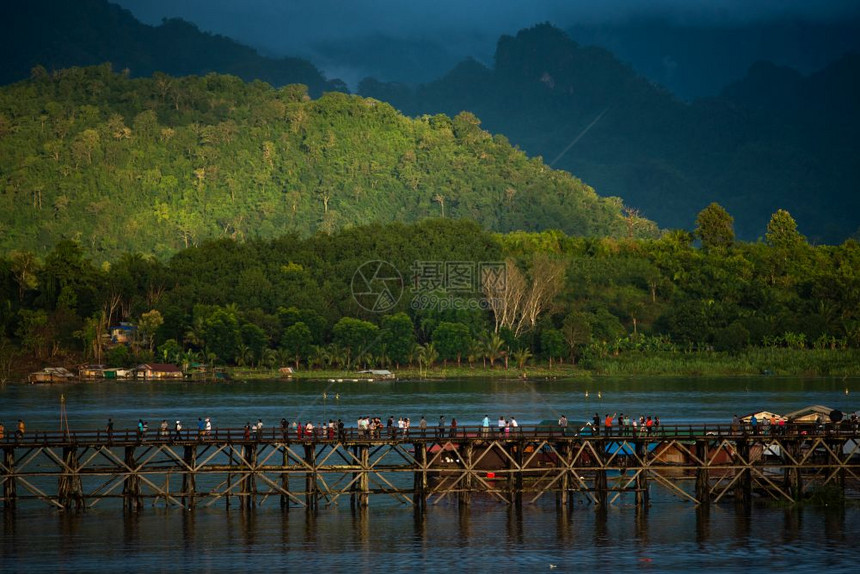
(774, 140)
(158, 164)
(59, 34)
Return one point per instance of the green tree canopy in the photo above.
(715, 227)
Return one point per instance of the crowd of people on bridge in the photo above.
(374, 427)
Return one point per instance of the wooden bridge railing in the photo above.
(39, 437)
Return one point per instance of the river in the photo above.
(671, 535)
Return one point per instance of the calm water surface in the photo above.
(669, 536)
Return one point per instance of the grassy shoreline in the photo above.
(754, 362)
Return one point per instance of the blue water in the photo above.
(671, 535)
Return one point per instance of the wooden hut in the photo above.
(91, 371)
(157, 371)
(51, 375)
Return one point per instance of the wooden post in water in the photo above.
(131, 485)
(69, 488)
(10, 494)
(364, 479)
(285, 481)
(251, 499)
(518, 479)
(743, 488)
(564, 498)
(510, 479)
(311, 476)
(835, 446)
(792, 476)
(229, 475)
(353, 488)
(465, 497)
(249, 482)
(642, 495)
(189, 477)
(702, 479)
(601, 488)
(419, 499)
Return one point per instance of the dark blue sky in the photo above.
(291, 26)
(421, 39)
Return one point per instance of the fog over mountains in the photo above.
(694, 48)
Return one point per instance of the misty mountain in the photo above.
(776, 139)
(59, 34)
(698, 59)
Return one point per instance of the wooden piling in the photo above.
(743, 486)
(8, 478)
(419, 498)
(465, 494)
(311, 497)
(601, 488)
(249, 486)
(643, 497)
(518, 478)
(69, 489)
(364, 479)
(131, 487)
(285, 482)
(189, 477)
(792, 477)
(703, 495)
(564, 481)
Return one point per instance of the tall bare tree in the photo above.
(517, 301)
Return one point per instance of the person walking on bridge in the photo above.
(607, 422)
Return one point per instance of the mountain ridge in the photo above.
(58, 34)
(664, 156)
(156, 164)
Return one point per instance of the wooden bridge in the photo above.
(703, 464)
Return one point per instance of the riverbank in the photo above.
(753, 362)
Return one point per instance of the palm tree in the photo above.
(413, 354)
(382, 360)
(474, 351)
(244, 355)
(320, 356)
(427, 355)
(283, 357)
(194, 335)
(338, 355)
(189, 357)
(269, 357)
(522, 357)
(211, 358)
(493, 348)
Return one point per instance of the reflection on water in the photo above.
(670, 535)
(665, 537)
